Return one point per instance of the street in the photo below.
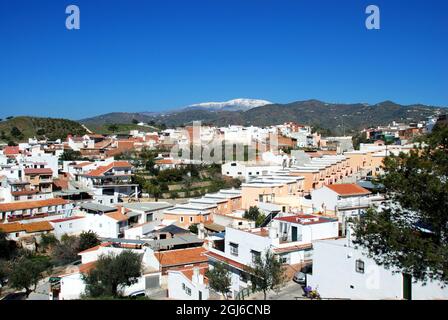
(42, 291)
(291, 291)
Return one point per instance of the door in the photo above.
(407, 287)
(200, 295)
(293, 234)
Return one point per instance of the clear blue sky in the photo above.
(156, 55)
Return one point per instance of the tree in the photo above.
(70, 155)
(153, 189)
(112, 127)
(66, 251)
(254, 214)
(267, 273)
(193, 228)
(4, 272)
(15, 132)
(26, 273)
(88, 239)
(112, 273)
(219, 279)
(135, 121)
(8, 248)
(410, 234)
(47, 241)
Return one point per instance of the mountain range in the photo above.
(337, 117)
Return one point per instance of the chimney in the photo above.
(196, 278)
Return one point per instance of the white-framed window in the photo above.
(359, 266)
(233, 249)
(181, 219)
(191, 219)
(255, 255)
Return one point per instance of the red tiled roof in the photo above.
(82, 164)
(87, 267)
(117, 215)
(104, 244)
(181, 256)
(188, 272)
(23, 192)
(27, 227)
(103, 169)
(39, 171)
(23, 205)
(11, 150)
(348, 189)
(166, 161)
(293, 248)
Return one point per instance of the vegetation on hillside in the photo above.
(19, 129)
(339, 118)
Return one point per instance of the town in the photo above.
(122, 215)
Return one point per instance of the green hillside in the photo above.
(19, 129)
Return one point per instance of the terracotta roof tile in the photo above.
(23, 205)
(39, 171)
(349, 189)
(181, 256)
(27, 227)
(11, 227)
(103, 169)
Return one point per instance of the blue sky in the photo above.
(156, 55)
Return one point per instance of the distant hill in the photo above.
(338, 118)
(21, 128)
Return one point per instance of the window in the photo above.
(181, 219)
(233, 249)
(255, 255)
(359, 266)
(188, 291)
(70, 225)
(233, 164)
(191, 219)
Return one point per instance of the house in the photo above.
(289, 237)
(39, 209)
(111, 179)
(343, 271)
(343, 200)
(267, 188)
(17, 231)
(70, 284)
(179, 258)
(248, 170)
(189, 283)
(41, 179)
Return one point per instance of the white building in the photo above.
(248, 171)
(289, 237)
(188, 283)
(344, 272)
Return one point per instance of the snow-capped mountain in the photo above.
(231, 105)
